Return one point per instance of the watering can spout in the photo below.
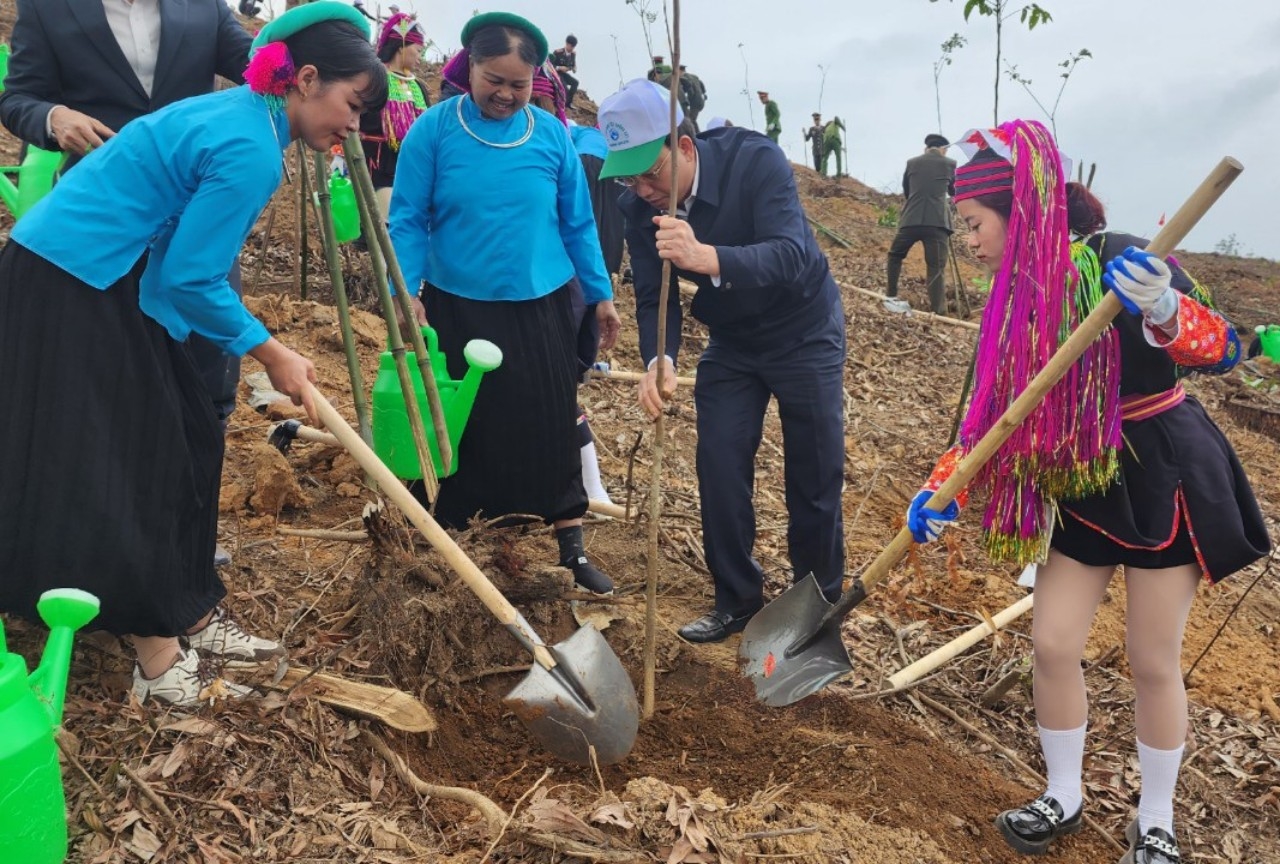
(64, 610)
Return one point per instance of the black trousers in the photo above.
(732, 393)
(570, 88)
(935, 242)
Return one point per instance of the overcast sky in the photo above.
(1156, 107)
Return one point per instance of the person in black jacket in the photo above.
(566, 62)
(766, 293)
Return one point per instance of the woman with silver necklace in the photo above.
(491, 215)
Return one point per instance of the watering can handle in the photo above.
(474, 578)
(1204, 197)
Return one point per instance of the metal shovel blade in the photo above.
(788, 652)
(586, 703)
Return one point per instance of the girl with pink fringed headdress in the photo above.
(400, 46)
(1118, 465)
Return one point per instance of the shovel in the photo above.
(792, 647)
(576, 698)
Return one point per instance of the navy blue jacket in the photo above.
(64, 53)
(775, 283)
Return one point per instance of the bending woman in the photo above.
(111, 451)
(1118, 466)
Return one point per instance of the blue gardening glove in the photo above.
(1141, 281)
(926, 525)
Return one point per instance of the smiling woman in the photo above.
(111, 464)
(492, 215)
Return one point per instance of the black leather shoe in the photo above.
(714, 627)
(1031, 828)
(1156, 846)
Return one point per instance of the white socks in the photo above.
(1159, 777)
(591, 474)
(1063, 761)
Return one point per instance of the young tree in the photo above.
(944, 60)
(1029, 14)
(647, 19)
(1068, 66)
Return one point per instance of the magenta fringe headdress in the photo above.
(401, 28)
(1069, 446)
(270, 73)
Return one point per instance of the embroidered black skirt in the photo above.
(110, 454)
(519, 453)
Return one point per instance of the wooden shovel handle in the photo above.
(394, 489)
(958, 645)
(1098, 320)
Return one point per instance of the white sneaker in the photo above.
(898, 305)
(186, 683)
(224, 637)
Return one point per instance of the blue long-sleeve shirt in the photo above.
(185, 184)
(490, 223)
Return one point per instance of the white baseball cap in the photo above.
(636, 122)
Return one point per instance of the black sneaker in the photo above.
(1031, 828)
(588, 577)
(1157, 846)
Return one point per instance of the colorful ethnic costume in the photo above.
(1118, 464)
(382, 132)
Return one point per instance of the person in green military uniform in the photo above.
(772, 116)
(832, 143)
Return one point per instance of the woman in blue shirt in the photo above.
(491, 214)
(111, 451)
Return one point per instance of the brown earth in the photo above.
(844, 776)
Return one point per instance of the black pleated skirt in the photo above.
(1182, 498)
(110, 454)
(519, 453)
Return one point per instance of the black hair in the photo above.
(686, 129)
(497, 40)
(571, 40)
(340, 52)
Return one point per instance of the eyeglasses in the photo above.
(650, 176)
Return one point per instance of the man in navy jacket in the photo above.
(766, 294)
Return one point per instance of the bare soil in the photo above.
(844, 776)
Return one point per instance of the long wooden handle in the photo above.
(1098, 320)
(959, 645)
(466, 569)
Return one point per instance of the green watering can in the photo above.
(342, 206)
(1269, 336)
(392, 436)
(35, 174)
(33, 810)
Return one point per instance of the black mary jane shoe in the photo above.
(1157, 846)
(715, 626)
(1031, 828)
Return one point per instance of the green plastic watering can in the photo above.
(342, 206)
(1269, 336)
(35, 178)
(392, 436)
(33, 810)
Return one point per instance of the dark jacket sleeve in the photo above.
(233, 45)
(32, 85)
(777, 257)
(646, 274)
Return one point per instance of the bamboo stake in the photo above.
(328, 235)
(620, 375)
(659, 428)
(364, 189)
(368, 217)
(304, 252)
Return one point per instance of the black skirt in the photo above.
(519, 453)
(1182, 498)
(110, 454)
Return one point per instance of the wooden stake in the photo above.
(660, 426)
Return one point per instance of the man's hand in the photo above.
(420, 311)
(677, 244)
(610, 324)
(76, 132)
(650, 400)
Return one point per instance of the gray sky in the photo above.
(1156, 107)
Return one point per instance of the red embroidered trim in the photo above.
(1179, 508)
(1134, 408)
(1202, 338)
(942, 472)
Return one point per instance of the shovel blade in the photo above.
(787, 652)
(586, 705)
